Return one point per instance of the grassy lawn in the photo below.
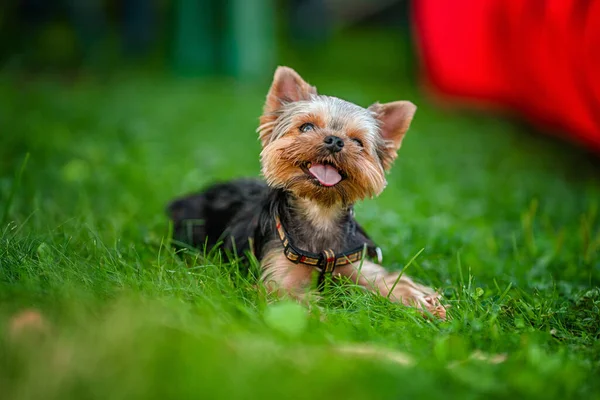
(508, 223)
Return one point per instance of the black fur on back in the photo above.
(236, 212)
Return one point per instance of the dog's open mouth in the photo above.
(326, 174)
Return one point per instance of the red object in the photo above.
(540, 58)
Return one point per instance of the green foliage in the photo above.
(508, 221)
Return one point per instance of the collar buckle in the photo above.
(329, 259)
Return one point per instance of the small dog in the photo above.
(320, 155)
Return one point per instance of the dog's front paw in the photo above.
(434, 306)
(419, 296)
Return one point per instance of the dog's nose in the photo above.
(334, 144)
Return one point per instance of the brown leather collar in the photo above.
(327, 260)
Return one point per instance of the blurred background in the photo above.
(240, 38)
(537, 60)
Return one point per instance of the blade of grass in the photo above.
(402, 272)
(13, 191)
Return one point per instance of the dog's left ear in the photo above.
(287, 87)
(394, 120)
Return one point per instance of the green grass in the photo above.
(508, 222)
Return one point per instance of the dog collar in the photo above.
(327, 260)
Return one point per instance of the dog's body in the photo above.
(240, 214)
(320, 155)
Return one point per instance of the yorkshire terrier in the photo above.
(320, 155)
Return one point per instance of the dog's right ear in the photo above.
(394, 120)
(287, 87)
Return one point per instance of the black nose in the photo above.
(334, 144)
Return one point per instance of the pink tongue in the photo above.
(326, 174)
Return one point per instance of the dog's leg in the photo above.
(283, 277)
(390, 284)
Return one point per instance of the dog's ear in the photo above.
(287, 87)
(394, 120)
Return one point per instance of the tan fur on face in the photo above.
(281, 168)
(286, 149)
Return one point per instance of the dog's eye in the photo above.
(358, 142)
(306, 127)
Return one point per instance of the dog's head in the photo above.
(324, 148)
